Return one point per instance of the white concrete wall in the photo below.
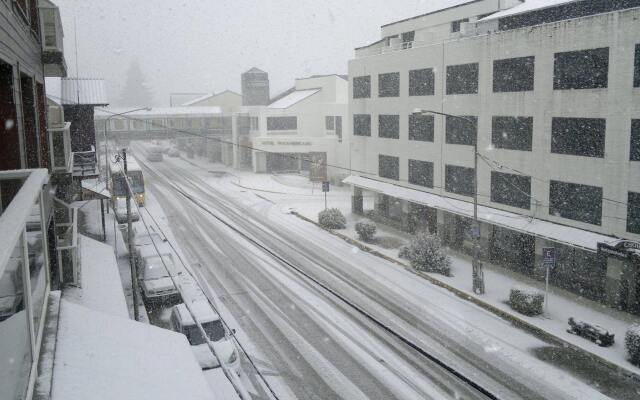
(618, 103)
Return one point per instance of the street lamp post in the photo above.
(477, 273)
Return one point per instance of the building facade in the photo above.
(550, 96)
(302, 129)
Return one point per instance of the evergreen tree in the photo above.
(135, 92)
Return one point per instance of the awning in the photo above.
(533, 226)
(94, 189)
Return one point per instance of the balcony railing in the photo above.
(66, 218)
(24, 276)
(85, 164)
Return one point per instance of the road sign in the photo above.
(549, 256)
(325, 186)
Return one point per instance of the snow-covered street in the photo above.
(309, 343)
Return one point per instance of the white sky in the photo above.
(204, 45)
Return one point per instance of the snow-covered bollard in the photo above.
(332, 218)
(366, 230)
(526, 300)
(425, 253)
(632, 343)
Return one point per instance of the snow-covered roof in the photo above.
(435, 9)
(94, 362)
(527, 6)
(558, 233)
(83, 91)
(161, 111)
(293, 98)
(199, 99)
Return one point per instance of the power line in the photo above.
(241, 391)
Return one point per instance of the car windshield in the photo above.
(215, 330)
(155, 269)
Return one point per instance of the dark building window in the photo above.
(578, 136)
(421, 173)
(512, 133)
(577, 202)
(455, 25)
(511, 189)
(389, 126)
(462, 79)
(388, 167)
(584, 69)
(461, 131)
(362, 124)
(634, 153)
(389, 84)
(361, 87)
(513, 74)
(282, 123)
(636, 67)
(408, 36)
(633, 213)
(339, 127)
(421, 127)
(421, 82)
(459, 180)
(329, 122)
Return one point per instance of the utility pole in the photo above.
(477, 273)
(132, 258)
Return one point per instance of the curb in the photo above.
(518, 322)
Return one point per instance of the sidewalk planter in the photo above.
(332, 218)
(632, 343)
(526, 301)
(366, 230)
(595, 333)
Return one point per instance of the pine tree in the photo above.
(135, 92)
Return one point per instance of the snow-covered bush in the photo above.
(526, 300)
(366, 230)
(404, 252)
(425, 253)
(332, 218)
(632, 343)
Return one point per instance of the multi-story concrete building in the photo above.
(550, 94)
(302, 129)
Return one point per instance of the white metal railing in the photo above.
(67, 242)
(60, 145)
(24, 277)
(396, 46)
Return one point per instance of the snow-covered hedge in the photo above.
(366, 230)
(332, 218)
(425, 253)
(404, 252)
(632, 343)
(526, 300)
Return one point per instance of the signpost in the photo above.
(549, 262)
(325, 189)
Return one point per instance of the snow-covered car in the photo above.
(11, 293)
(154, 153)
(173, 152)
(120, 208)
(155, 279)
(225, 349)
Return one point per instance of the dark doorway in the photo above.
(422, 217)
(9, 136)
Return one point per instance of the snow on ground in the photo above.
(100, 284)
(100, 356)
(292, 192)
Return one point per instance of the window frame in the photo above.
(421, 88)
(499, 142)
(579, 79)
(393, 91)
(414, 167)
(497, 193)
(451, 137)
(361, 118)
(453, 85)
(389, 159)
(560, 140)
(394, 119)
(518, 82)
(430, 131)
(362, 92)
(448, 185)
(555, 202)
